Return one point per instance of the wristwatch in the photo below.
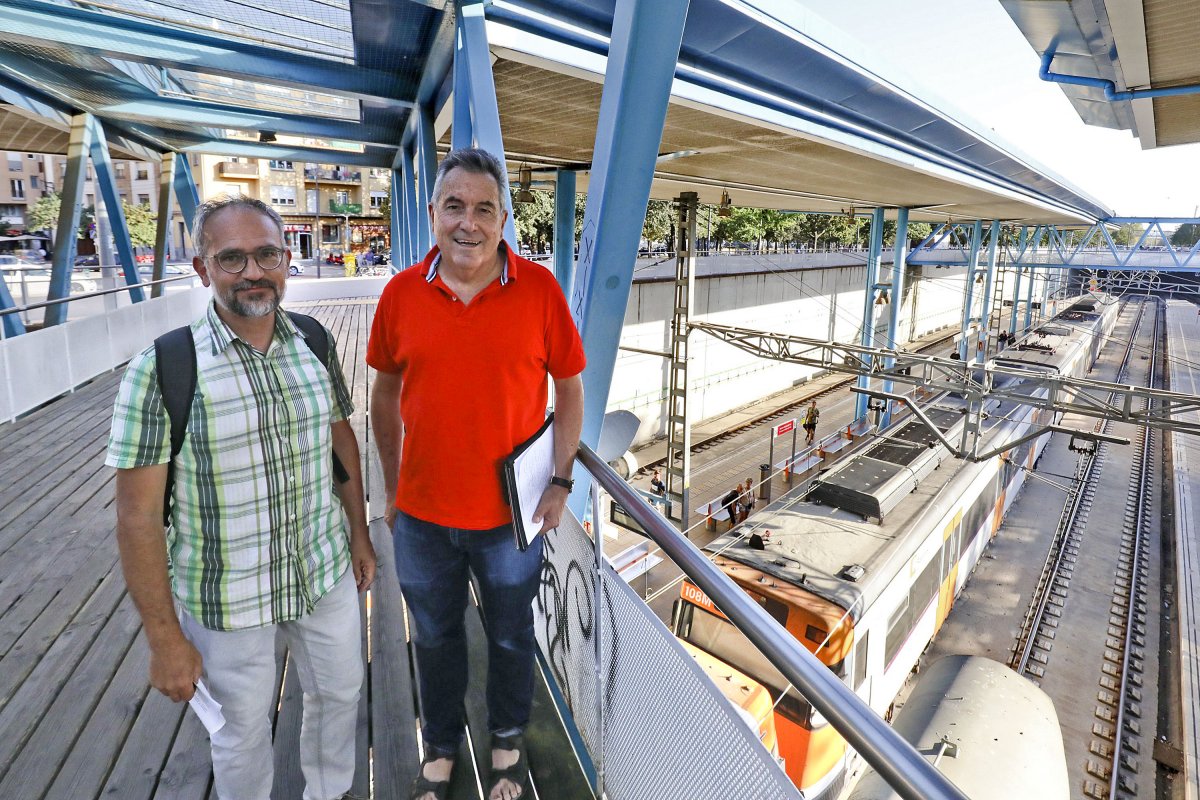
(565, 483)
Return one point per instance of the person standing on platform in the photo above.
(811, 415)
(658, 488)
(463, 343)
(747, 499)
(730, 503)
(257, 539)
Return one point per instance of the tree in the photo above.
(43, 216)
(534, 221)
(142, 223)
(1128, 234)
(660, 223)
(1186, 235)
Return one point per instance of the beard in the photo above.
(230, 301)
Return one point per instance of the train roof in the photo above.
(1052, 343)
(839, 553)
(997, 733)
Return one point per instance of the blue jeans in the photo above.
(432, 563)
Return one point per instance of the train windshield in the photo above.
(717, 636)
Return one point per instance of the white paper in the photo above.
(207, 709)
(533, 470)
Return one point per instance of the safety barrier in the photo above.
(605, 688)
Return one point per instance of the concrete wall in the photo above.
(823, 303)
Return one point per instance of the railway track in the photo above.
(1116, 735)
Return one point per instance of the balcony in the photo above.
(332, 175)
(236, 169)
(344, 208)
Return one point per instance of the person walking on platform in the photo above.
(256, 542)
(811, 415)
(463, 343)
(658, 489)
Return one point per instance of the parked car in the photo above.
(295, 269)
(87, 261)
(31, 284)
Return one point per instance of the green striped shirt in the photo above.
(257, 533)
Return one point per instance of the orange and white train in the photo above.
(864, 569)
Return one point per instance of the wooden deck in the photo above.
(77, 717)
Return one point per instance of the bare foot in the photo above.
(504, 789)
(437, 771)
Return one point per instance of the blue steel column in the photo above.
(874, 254)
(1016, 302)
(185, 192)
(119, 227)
(485, 114)
(162, 232)
(461, 134)
(969, 290)
(985, 314)
(900, 256)
(564, 228)
(644, 48)
(67, 231)
(412, 213)
(400, 252)
(1037, 238)
(426, 169)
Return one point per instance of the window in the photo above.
(378, 199)
(120, 168)
(331, 234)
(860, 662)
(281, 165)
(310, 199)
(143, 199)
(899, 624)
(91, 200)
(343, 198)
(143, 172)
(283, 195)
(33, 181)
(18, 188)
(124, 197)
(14, 162)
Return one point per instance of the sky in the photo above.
(971, 53)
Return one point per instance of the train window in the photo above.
(815, 634)
(899, 624)
(718, 637)
(794, 707)
(860, 662)
(927, 584)
(777, 609)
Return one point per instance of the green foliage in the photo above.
(43, 216)
(142, 224)
(659, 226)
(1186, 235)
(535, 221)
(816, 230)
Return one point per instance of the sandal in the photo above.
(422, 786)
(518, 772)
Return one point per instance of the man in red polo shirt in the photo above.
(463, 343)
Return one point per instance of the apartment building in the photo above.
(338, 207)
(24, 179)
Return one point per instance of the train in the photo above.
(950, 718)
(865, 566)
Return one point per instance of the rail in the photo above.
(905, 769)
(97, 293)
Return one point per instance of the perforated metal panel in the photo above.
(667, 732)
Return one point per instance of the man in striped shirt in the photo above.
(257, 540)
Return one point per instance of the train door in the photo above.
(951, 544)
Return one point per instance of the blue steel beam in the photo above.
(646, 35)
(186, 194)
(371, 156)
(564, 229)
(11, 323)
(485, 113)
(988, 281)
(412, 213)
(36, 22)
(461, 135)
(874, 257)
(71, 204)
(899, 264)
(1012, 318)
(969, 289)
(162, 231)
(118, 226)
(216, 115)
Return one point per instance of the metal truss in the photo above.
(1155, 408)
(1057, 248)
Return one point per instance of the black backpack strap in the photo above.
(175, 357)
(318, 341)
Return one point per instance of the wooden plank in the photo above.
(88, 766)
(144, 755)
(289, 782)
(24, 710)
(187, 774)
(393, 709)
(34, 769)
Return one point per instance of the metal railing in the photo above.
(897, 761)
(87, 295)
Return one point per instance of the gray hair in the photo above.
(206, 210)
(472, 159)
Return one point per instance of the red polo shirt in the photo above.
(473, 382)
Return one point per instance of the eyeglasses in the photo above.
(235, 261)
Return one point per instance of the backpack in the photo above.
(175, 352)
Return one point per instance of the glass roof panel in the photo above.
(254, 94)
(318, 28)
